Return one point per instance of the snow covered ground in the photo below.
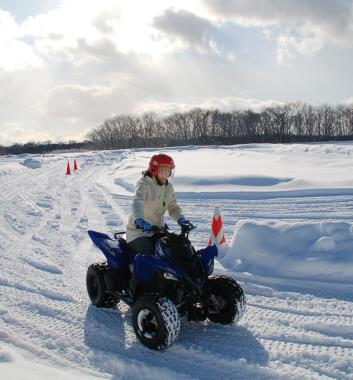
(287, 212)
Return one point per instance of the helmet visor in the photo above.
(165, 171)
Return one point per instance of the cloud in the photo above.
(58, 33)
(76, 102)
(234, 103)
(67, 32)
(226, 104)
(15, 54)
(21, 133)
(331, 14)
(187, 28)
(128, 81)
(298, 41)
(300, 27)
(8, 27)
(348, 101)
(12, 133)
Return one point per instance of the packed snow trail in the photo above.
(294, 328)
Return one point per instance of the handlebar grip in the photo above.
(116, 235)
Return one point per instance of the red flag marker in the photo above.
(217, 236)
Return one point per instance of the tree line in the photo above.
(290, 122)
(44, 147)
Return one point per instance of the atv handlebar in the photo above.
(164, 231)
(118, 234)
(158, 230)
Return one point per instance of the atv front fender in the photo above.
(207, 256)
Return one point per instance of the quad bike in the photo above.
(162, 288)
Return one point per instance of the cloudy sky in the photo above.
(66, 65)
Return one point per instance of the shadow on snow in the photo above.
(203, 350)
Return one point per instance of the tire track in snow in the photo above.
(81, 211)
(63, 253)
(336, 311)
(117, 210)
(46, 327)
(10, 188)
(309, 339)
(334, 362)
(41, 284)
(114, 220)
(35, 209)
(71, 236)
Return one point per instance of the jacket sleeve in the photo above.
(174, 209)
(139, 199)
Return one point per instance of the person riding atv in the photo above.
(158, 272)
(154, 195)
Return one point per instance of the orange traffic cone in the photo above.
(68, 171)
(75, 165)
(217, 236)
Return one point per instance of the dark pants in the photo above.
(142, 245)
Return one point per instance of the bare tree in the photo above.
(289, 122)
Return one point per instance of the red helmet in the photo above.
(159, 161)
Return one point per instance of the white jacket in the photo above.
(150, 202)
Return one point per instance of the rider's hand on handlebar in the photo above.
(143, 225)
(186, 223)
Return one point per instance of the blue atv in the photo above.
(162, 288)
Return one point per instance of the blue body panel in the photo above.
(145, 266)
(117, 255)
(207, 258)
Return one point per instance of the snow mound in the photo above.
(324, 244)
(303, 250)
(31, 163)
(127, 186)
(247, 172)
(5, 357)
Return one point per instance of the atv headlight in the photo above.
(169, 276)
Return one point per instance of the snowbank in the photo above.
(252, 171)
(316, 251)
(31, 163)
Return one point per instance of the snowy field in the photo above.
(288, 217)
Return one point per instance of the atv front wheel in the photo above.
(156, 321)
(227, 300)
(96, 288)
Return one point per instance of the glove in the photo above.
(184, 222)
(143, 225)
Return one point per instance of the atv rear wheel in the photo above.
(96, 288)
(227, 300)
(156, 321)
